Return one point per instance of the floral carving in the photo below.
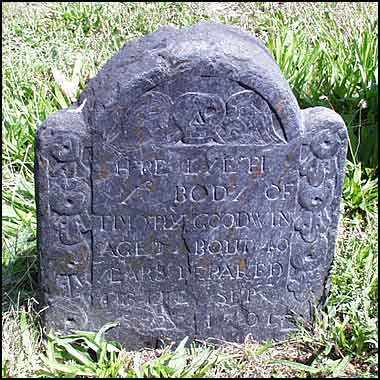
(69, 196)
(304, 285)
(69, 200)
(72, 314)
(316, 193)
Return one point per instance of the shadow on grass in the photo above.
(20, 274)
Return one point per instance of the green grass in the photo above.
(328, 53)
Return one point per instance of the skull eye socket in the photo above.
(69, 202)
(326, 143)
(210, 111)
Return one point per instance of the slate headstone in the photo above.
(187, 194)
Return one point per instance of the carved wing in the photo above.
(147, 121)
(250, 120)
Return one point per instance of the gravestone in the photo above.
(187, 194)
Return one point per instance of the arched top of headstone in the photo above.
(209, 83)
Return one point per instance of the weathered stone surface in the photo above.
(186, 194)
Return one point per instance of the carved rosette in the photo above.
(67, 314)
